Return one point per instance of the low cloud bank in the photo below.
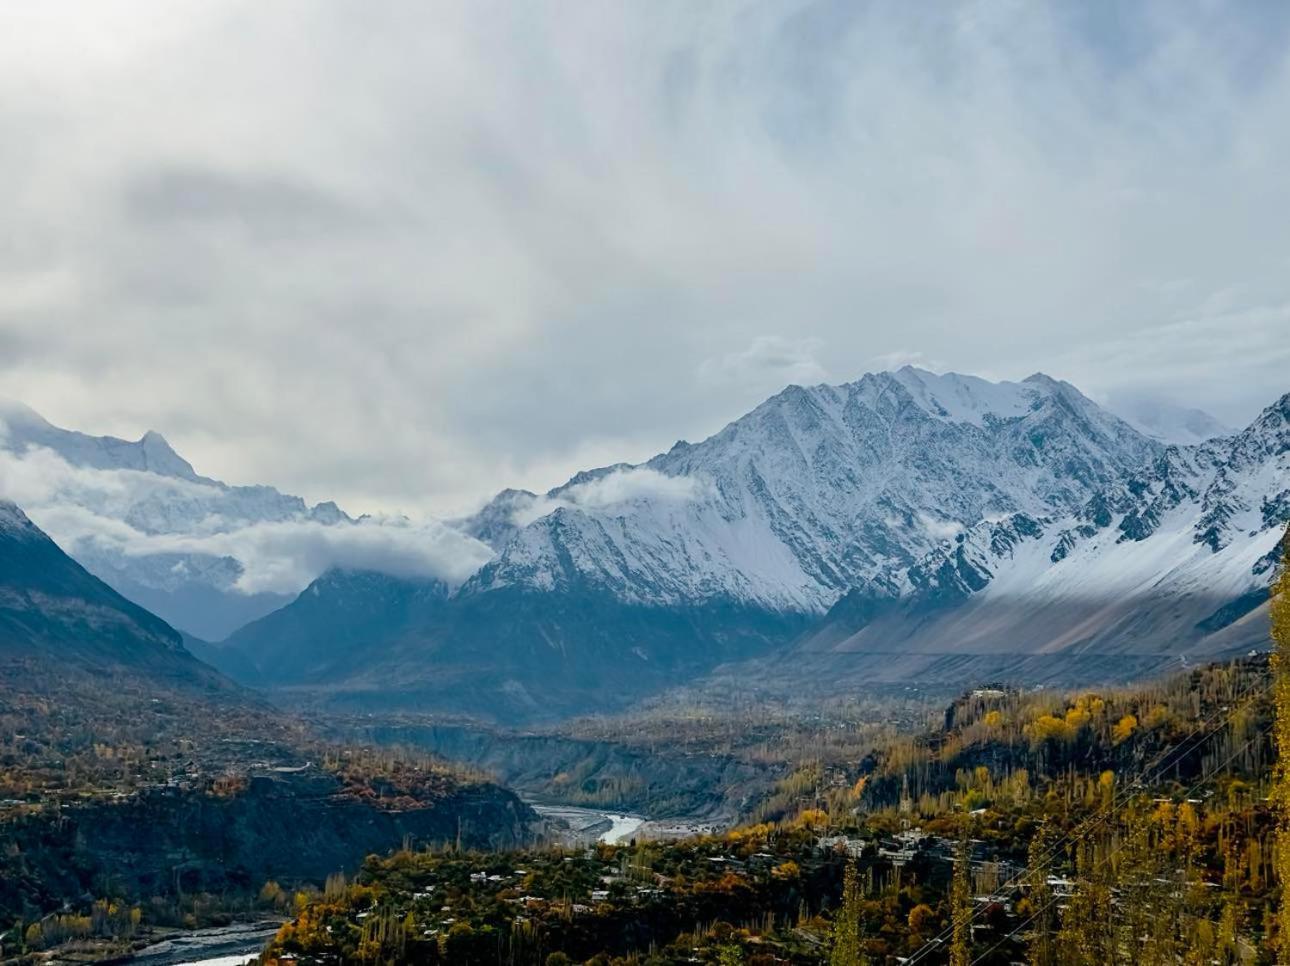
(123, 515)
(615, 488)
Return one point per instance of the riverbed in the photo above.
(582, 826)
(576, 826)
(232, 945)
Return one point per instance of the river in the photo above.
(586, 825)
(220, 946)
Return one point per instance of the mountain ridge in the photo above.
(943, 515)
(54, 613)
(920, 502)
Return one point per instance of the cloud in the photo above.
(409, 254)
(108, 516)
(621, 485)
(769, 363)
(900, 358)
(940, 529)
(283, 557)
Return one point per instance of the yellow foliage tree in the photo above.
(1124, 729)
(961, 904)
(1281, 731)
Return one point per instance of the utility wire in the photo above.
(1088, 825)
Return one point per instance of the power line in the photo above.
(1116, 849)
(1088, 825)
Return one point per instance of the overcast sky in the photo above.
(401, 255)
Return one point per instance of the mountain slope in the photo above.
(629, 579)
(1170, 563)
(331, 625)
(56, 614)
(904, 526)
(819, 489)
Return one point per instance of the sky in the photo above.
(404, 254)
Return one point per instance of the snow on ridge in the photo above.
(1168, 422)
(13, 522)
(818, 489)
(136, 515)
(967, 399)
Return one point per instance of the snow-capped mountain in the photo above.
(1170, 562)
(205, 556)
(814, 491)
(78, 486)
(952, 516)
(904, 526)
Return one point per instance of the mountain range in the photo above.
(204, 555)
(57, 618)
(905, 526)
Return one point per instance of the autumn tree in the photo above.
(1087, 937)
(961, 904)
(846, 925)
(1281, 779)
(1040, 897)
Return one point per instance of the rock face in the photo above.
(293, 828)
(52, 611)
(1170, 562)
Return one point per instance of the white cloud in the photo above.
(284, 557)
(406, 254)
(940, 529)
(769, 363)
(624, 485)
(125, 514)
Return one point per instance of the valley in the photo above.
(712, 707)
(583, 483)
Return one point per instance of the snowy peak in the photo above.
(968, 399)
(14, 524)
(138, 516)
(21, 428)
(1203, 520)
(157, 456)
(819, 489)
(499, 519)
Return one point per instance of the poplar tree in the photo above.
(961, 904)
(846, 925)
(1040, 940)
(1281, 730)
(1087, 934)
